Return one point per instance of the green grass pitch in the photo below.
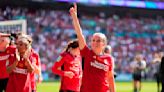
(120, 87)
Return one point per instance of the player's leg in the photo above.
(3, 84)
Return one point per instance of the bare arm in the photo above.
(12, 67)
(77, 27)
(29, 65)
(111, 81)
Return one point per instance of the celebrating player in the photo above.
(98, 67)
(5, 52)
(37, 71)
(68, 66)
(20, 66)
(108, 51)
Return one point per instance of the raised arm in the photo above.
(77, 27)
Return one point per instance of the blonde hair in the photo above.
(102, 36)
(25, 37)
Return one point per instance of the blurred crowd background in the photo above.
(127, 34)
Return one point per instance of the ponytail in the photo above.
(72, 44)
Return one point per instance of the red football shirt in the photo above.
(35, 60)
(19, 78)
(95, 74)
(69, 63)
(4, 57)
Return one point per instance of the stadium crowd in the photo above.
(52, 29)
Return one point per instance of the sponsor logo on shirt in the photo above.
(21, 71)
(99, 65)
(4, 57)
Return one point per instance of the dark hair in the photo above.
(72, 44)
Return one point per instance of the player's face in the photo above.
(4, 41)
(75, 51)
(22, 46)
(97, 43)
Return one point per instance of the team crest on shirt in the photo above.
(20, 65)
(7, 51)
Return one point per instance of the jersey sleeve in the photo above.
(111, 63)
(84, 51)
(58, 64)
(12, 57)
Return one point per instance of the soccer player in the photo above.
(138, 67)
(37, 71)
(98, 67)
(5, 52)
(20, 66)
(68, 66)
(108, 50)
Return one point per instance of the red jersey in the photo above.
(69, 63)
(95, 74)
(36, 61)
(19, 78)
(4, 57)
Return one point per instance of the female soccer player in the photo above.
(108, 51)
(5, 52)
(68, 66)
(37, 71)
(98, 67)
(20, 67)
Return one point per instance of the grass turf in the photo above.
(120, 87)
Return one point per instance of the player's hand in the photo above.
(69, 74)
(73, 10)
(40, 79)
(27, 54)
(17, 55)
